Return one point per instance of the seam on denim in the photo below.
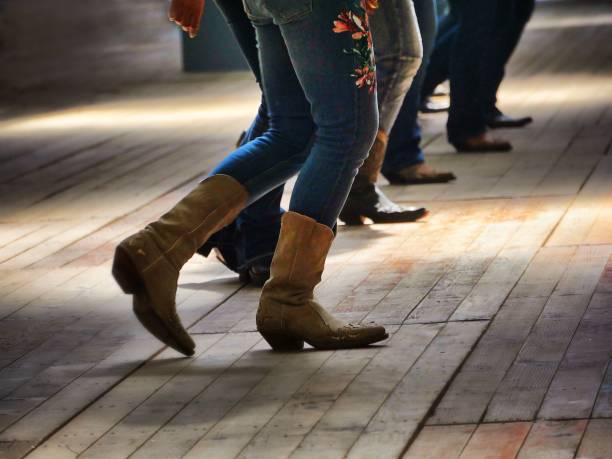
(296, 16)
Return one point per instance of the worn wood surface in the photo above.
(498, 304)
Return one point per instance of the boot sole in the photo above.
(354, 345)
(425, 181)
(127, 277)
(358, 220)
(284, 343)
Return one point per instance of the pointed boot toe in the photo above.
(147, 264)
(178, 340)
(368, 201)
(136, 266)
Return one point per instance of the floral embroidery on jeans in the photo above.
(354, 20)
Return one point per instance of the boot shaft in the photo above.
(300, 255)
(212, 205)
(370, 169)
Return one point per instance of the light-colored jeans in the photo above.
(398, 51)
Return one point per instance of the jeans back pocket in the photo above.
(278, 11)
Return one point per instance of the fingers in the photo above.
(173, 12)
(186, 15)
(187, 22)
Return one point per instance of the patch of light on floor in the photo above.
(129, 117)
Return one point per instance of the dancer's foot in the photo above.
(418, 174)
(499, 120)
(368, 201)
(288, 314)
(147, 264)
(430, 106)
(482, 143)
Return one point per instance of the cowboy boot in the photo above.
(147, 264)
(288, 314)
(367, 200)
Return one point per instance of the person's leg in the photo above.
(246, 246)
(404, 150)
(512, 17)
(398, 52)
(466, 126)
(244, 33)
(329, 47)
(338, 94)
(437, 69)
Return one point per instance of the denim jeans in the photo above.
(404, 142)
(398, 53)
(510, 21)
(398, 50)
(439, 63)
(476, 21)
(317, 76)
(253, 235)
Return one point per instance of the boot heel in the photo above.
(283, 343)
(351, 218)
(124, 273)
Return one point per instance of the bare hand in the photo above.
(187, 14)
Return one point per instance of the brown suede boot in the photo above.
(147, 264)
(288, 314)
(367, 200)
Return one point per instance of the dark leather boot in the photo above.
(367, 200)
(418, 174)
(498, 120)
(483, 143)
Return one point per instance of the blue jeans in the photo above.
(253, 235)
(404, 142)
(438, 69)
(510, 21)
(312, 81)
(488, 32)
(399, 52)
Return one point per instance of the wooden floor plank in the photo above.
(574, 388)
(395, 423)
(468, 396)
(597, 441)
(435, 442)
(508, 266)
(79, 374)
(340, 427)
(525, 385)
(553, 440)
(190, 424)
(283, 432)
(232, 433)
(123, 438)
(496, 441)
(578, 222)
(25, 434)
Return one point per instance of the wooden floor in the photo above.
(500, 304)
